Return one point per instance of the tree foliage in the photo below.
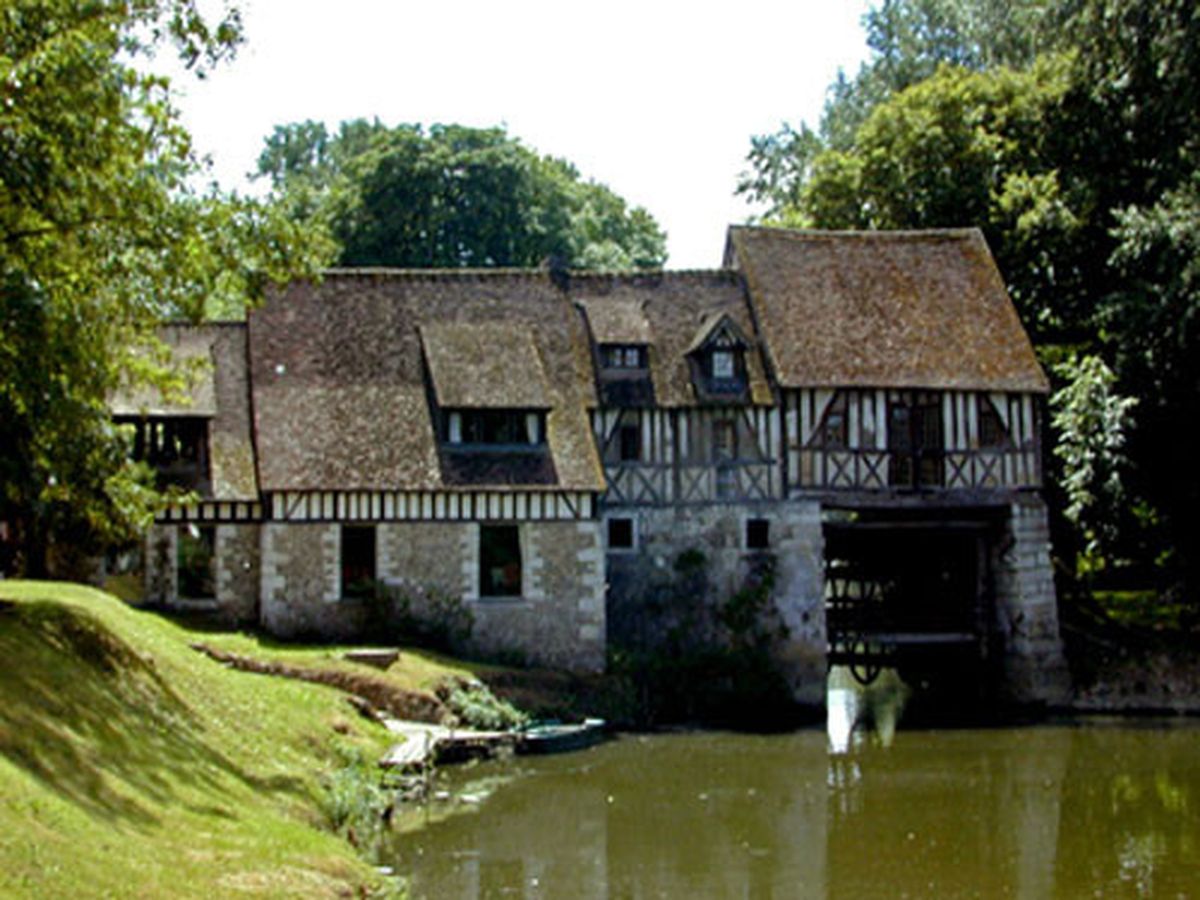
(1092, 420)
(1069, 131)
(101, 238)
(451, 196)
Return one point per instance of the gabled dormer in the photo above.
(621, 347)
(491, 404)
(717, 360)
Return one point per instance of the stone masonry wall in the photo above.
(301, 582)
(160, 576)
(638, 578)
(557, 621)
(238, 565)
(1027, 610)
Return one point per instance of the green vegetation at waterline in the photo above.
(131, 765)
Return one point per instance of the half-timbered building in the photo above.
(536, 445)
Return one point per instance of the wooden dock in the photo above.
(423, 745)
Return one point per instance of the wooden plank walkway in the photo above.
(423, 744)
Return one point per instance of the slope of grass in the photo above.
(132, 766)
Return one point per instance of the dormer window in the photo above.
(496, 428)
(623, 356)
(722, 365)
(717, 357)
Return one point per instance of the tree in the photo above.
(451, 197)
(909, 40)
(100, 238)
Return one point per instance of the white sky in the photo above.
(657, 99)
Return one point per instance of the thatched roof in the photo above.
(212, 360)
(676, 306)
(340, 389)
(907, 309)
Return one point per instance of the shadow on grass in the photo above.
(93, 721)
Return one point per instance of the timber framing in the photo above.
(556, 439)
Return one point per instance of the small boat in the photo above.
(560, 737)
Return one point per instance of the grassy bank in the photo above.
(130, 765)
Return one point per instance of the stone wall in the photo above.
(664, 584)
(300, 583)
(1034, 668)
(238, 575)
(558, 620)
(159, 573)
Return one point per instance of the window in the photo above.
(723, 368)
(630, 439)
(758, 534)
(358, 560)
(620, 534)
(992, 433)
(724, 444)
(499, 561)
(195, 554)
(623, 356)
(835, 432)
(496, 426)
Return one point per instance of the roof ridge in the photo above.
(863, 234)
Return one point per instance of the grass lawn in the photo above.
(132, 766)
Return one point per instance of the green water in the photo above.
(1084, 809)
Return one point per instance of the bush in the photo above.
(475, 706)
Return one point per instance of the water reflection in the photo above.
(865, 810)
(859, 714)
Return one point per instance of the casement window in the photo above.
(496, 427)
(623, 356)
(630, 443)
(358, 560)
(723, 365)
(195, 561)
(758, 534)
(621, 534)
(499, 561)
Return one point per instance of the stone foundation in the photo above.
(1026, 622)
(688, 560)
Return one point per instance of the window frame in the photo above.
(751, 526)
(491, 535)
(357, 587)
(480, 428)
(621, 521)
(624, 357)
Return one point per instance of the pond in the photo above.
(1095, 808)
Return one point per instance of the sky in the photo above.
(656, 99)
